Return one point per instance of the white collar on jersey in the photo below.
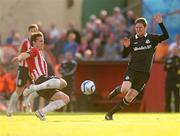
(136, 36)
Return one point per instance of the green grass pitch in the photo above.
(91, 124)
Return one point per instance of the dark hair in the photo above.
(142, 21)
(34, 36)
(33, 26)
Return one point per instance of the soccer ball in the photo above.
(88, 87)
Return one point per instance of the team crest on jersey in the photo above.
(147, 41)
(127, 77)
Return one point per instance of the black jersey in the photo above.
(142, 50)
(68, 69)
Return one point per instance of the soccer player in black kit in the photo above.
(141, 46)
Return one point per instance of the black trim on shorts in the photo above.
(46, 93)
(137, 78)
(22, 76)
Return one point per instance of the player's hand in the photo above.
(126, 42)
(158, 18)
(14, 59)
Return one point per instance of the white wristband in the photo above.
(19, 58)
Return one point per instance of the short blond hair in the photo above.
(34, 36)
(33, 26)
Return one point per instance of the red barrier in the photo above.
(154, 95)
(107, 75)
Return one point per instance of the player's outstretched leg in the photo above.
(114, 92)
(59, 100)
(129, 97)
(49, 84)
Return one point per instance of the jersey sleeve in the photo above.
(33, 52)
(23, 47)
(127, 50)
(164, 36)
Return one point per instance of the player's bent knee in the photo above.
(63, 83)
(126, 85)
(67, 100)
(124, 91)
(61, 96)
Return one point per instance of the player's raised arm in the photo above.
(165, 34)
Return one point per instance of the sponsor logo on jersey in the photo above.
(142, 48)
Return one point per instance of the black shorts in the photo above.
(137, 78)
(46, 93)
(22, 76)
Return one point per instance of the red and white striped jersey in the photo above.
(25, 46)
(37, 64)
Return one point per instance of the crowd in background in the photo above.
(99, 40)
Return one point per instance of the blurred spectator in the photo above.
(91, 23)
(59, 45)
(72, 29)
(2, 82)
(117, 18)
(120, 49)
(110, 50)
(82, 46)
(130, 18)
(172, 65)
(97, 30)
(104, 33)
(90, 39)
(88, 55)
(103, 16)
(121, 32)
(17, 40)
(7, 82)
(175, 44)
(173, 75)
(68, 69)
(10, 38)
(53, 33)
(71, 45)
(97, 49)
(6, 54)
(57, 67)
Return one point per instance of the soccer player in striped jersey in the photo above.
(46, 86)
(22, 73)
